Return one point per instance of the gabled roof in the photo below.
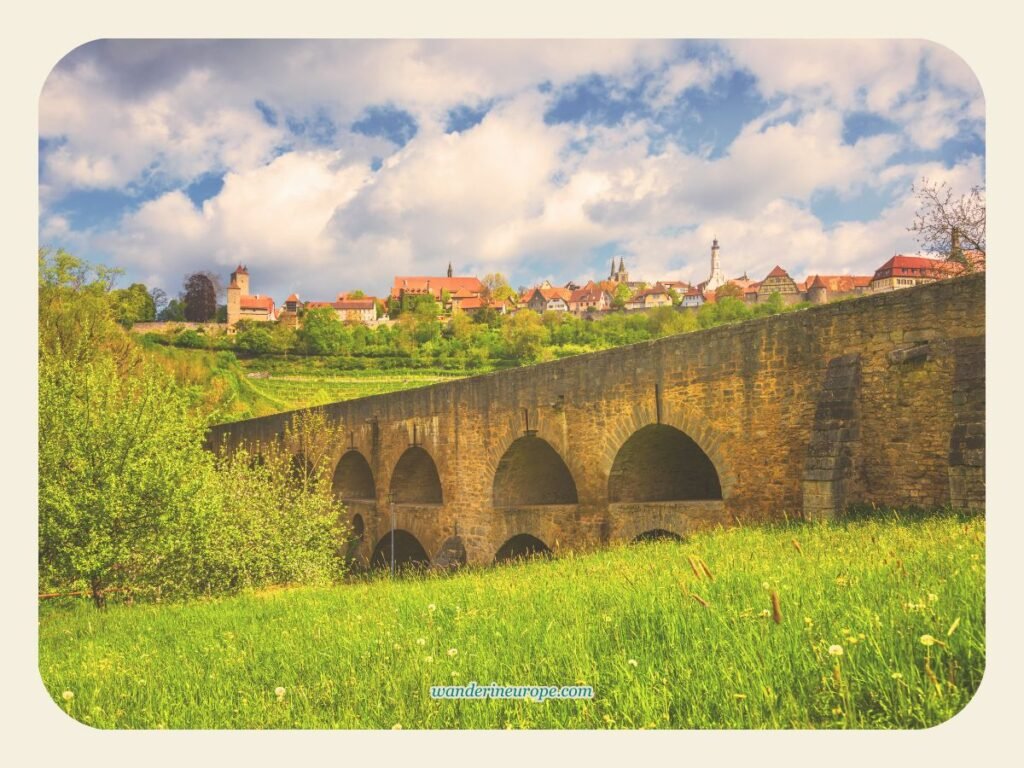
(778, 272)
(839, 283)
(423, 284)
(917, 266)
(293, 297)
(256, 302)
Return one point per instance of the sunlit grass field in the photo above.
(880, 624)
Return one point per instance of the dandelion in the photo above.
(927, 640)
(421, 641)
(837, 711)
(632, 662)
(835, 650)
(67, 696)
(428, 659)
(279, 692)
(808, 621)
(398, 646)
(453, 652)
(607, 618)
(765, 613)
(431, 607)
(896, 675)
(396, 727)
(932, 597)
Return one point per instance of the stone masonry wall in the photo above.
(791, 423)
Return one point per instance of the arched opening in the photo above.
(660, 463)
(358, 527)
(353, 480)
(407, 552)
(531, 473)
(657, 534)
(520, 547)
(415, 480)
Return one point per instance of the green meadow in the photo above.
(878, 623)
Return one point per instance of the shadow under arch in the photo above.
(530, 473)
(520, 547)
(657, 534)
(403, 547)
(661, 463)
(353, 478)
(415, 479)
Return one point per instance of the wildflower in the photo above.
(607, 618)
(835, 650)
(396, 727)
(896, 675)
(632, 662)
(67, 695)
(421, 641)
(765, 613)
(927, 640)
(808, 621)
(431, 607)
(398, 646)
(279, 691)
(932, 597)
(837, 711)
(453, 651)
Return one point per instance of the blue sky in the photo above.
(333, 165)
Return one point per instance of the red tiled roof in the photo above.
(657, 290)
(589, 292)
(256, 302)
(778, 272)
(435, 285)
(839, 283)
(917, 266)
(293, 297)
(367, 303)
(240, 270)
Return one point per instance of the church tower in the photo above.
(237, 288)
(449, 269)
(716, 279)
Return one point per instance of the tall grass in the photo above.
(873, 624)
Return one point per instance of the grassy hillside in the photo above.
(881, 625)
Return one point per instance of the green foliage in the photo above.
(524, 334)
(322, 333)
(174, 312)
(191, 339)
(622, 294)
(623, 620)
(133, 305)
(254, 339)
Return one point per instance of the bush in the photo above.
(190, 339)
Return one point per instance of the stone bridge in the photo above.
(879, 399)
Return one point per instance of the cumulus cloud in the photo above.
(314, 206)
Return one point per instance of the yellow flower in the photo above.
(67, 695)
(896, 675)
(632, 662)
(421, 641)
(835, 650)
(396, 727)
(927, 640)
(431, 607)
(280, 692)
(428, 659)
(453, 651)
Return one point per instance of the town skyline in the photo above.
(346, 162)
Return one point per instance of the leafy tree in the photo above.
(729, 290)
(159, 299)
(174, 312)
(322, 333)
(524, 336)
(622, 294)
(133, 304)
(254, 339)
(199, 298)
(119, 458)
(357, 295)
(948, 225)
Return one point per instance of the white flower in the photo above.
(396, 727)
(431, 607)
(835, 650)
(927, 640)
(421, 641)
(280, 692)
(453, 651)
(632, 662)
(67, 695)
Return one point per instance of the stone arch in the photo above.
(656, 534)
(661, 463)
(697, 429)
(415, 479)
(531, 472)
(358, 527)
(521, 546)
(408, 552)
(353, 478)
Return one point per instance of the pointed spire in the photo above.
(449, 269)
(612, 273)
(622, 265)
